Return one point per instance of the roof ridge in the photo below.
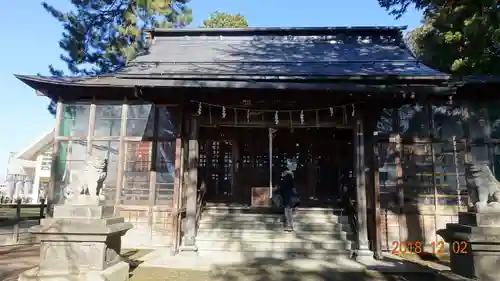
(276, 31)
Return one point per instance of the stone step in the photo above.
(245, 256)
(276, 225)
(323, 255)
(287, 245)
(213, 209)
(304, 217)
(271, 235)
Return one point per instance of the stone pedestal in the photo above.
(474, 244)
(80, 242)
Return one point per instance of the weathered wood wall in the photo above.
(420, 168)
(152, 227)
(397, 228)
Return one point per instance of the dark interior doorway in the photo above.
(324, 161)
(233, 160)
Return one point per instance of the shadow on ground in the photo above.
(133, 258)
(279, 270)
(294, 269)
(16, 259)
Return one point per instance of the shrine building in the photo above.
(199, 127)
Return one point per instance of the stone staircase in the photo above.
(320, 233)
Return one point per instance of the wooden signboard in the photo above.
(260, 197)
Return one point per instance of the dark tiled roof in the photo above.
(265, 54)
(354, 52)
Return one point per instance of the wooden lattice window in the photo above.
(136, 175)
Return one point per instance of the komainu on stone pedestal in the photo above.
(88, 183)
(474, 241)
(483, 189)
(82, 241)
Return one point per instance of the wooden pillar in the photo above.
(372, 182)
(55, 160)
(90, 134)
(153, 154)
(153, 157)
(121, 155)
(177, 192)
(189, 239)
(376, 202)
(363, 253)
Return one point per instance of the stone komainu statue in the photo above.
(483, 188)
(90, 181)
(96, 177)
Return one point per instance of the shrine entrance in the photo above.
(234, 163)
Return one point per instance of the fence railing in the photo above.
(13, 216)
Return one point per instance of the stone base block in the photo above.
(84, 200)
(479, 262)
(117, 272)
(83, 212)
(479, 219)
(474, 250)
(365, 257)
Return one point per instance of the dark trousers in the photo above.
(288, 216)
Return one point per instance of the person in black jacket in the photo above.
(289, 196)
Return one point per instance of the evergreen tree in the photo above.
(459, 37)
(224, 20)
(101, 36)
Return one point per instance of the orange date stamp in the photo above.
(417, 247)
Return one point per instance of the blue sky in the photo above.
(30, 44)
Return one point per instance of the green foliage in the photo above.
(460, 37)
(224, 20)
(101, 36)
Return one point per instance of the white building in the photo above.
(28, 171)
